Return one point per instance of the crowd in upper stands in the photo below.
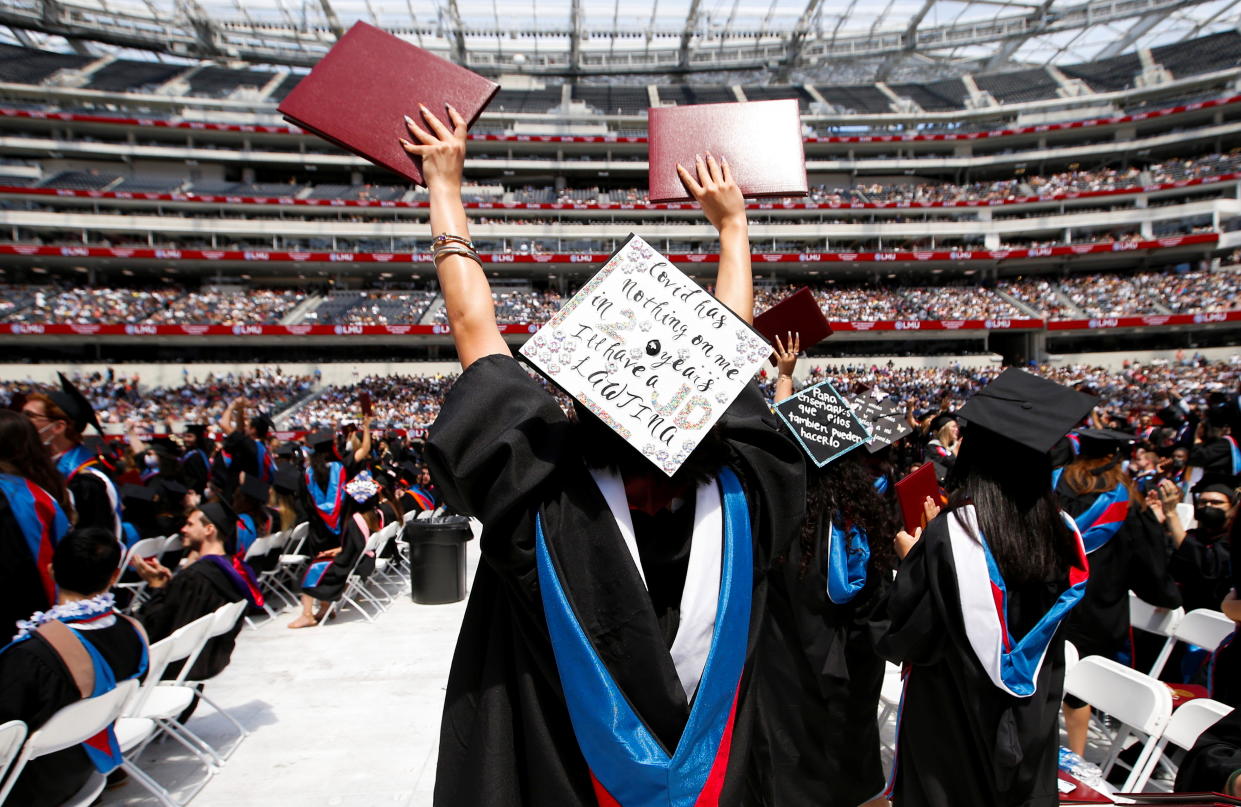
(407, 402)
(1048, 297)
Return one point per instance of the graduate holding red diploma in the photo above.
(605, 653)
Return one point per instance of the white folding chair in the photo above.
(223, 619)
(1140, 705)
(260, 549)
(1159, 621)
(1204, 628)
(889, 695)
(355, 584)
(74, 724)
(1186, 725)
(145, 549)
(270, 578)
(293, 562)
(382, 576)
(12, 735)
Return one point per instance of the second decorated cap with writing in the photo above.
(1027, 409)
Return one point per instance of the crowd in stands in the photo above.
(519, 305)
(108, 304)
(125, 400)
(233, 307)
(409, 402)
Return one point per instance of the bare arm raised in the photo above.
(467, 295)
(713, 186)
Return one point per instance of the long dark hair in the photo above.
(846, 489)
(22, 454)
(1010, 488)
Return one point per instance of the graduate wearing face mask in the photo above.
(1201, 564)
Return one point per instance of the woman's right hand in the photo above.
(905, 542)
(786, 353)
(442, 149)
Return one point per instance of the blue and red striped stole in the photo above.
(74, 460)
(328, 502)
(629, 767)
(1100, 522)
(41, 521)
(425, 500)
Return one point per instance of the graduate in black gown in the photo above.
(818, 670)
(325, 578)
(323, 488)
(35, 679)
(196, 590)
(503, 451)
(32, 520)
(1128, 551)
(977, 607)
(196, 458)
(1213, 765)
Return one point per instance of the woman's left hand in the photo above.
(786, 353)
(905, 542)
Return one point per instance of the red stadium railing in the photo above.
(908, 138)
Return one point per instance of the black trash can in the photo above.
(437, 559)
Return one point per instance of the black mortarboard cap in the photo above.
(1026, 409)
(196, 428)
(137, 494)
(322, 437)
(284, 450)
(97, 445)
(883, 418)
(286, 480)
(1103, 442)
(224, 519)
(255, 488)
(172, 488)
(409, 470)
(941, 420)
(74, 404)
(164, 445)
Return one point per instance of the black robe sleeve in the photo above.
(910, 630)
(186, 597)
(1213, 759)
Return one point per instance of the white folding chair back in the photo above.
(1159, 621)
(1205, 628)
(298, 537)
(258, 549)
(1138, 702)
(171, 542)
(1188, 723)
(159, 655)
(146, 548)
(12, 735)
(189, 641)
(75, 723)
(1071, 657)
(225, 617)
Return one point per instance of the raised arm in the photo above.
(467, 295)
(364, 443)
(786, 362)
(713, 186)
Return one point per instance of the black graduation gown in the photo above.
(1215, 757)
(320, 538)
(195, 471)
(1214, 457)
(818, 680)
(503, 451)
(194, 591)
(331, 584)
(34, 685)
(1135, 559)
(963, 740)
(1202, 567)
(22, 592)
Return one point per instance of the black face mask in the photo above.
(1210, 519)
(1178, 464)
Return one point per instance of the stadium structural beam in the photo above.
(458, 31)
(910, 38)
(575, 35)
(797, 40)
(1010, 46)
(333, 21)
(1136, 31)
(687, 34)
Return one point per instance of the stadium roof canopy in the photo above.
(838, 41)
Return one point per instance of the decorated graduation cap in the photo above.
(255, 488)
(649, 353)
(882, 417)
(823, 423)
(1026, 409)
(362, 488)
(74, 404)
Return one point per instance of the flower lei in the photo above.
(73, 611)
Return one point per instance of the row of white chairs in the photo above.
(140, 714)
(1201, 627)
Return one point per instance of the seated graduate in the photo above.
(572, 508)
(1128, 552)
(254, 518)
(326, 576)
(208, 582)
(34, 503)
(323, 488)
(1213, 765)
(977, 605)
(81, 632)
(819, 676)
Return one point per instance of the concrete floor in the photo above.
(345, 715)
